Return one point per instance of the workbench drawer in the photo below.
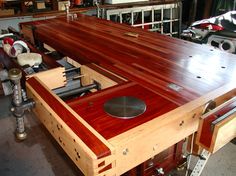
(218, 127)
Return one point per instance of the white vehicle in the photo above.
(219, 32)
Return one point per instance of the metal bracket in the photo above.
(175, 87)
(201, 163)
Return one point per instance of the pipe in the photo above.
(67, 93)
(19, 106)
(15, 76)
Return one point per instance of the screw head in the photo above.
(181, 123)
(125, 151)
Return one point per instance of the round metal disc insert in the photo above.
(125, 107)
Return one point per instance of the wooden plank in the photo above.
(6, 12)
(118, 79)
(54, 78)
(93, 73)
(153, 135)
(176, 78)
(142, 59)
(74, 146)
(48, 47)
(226, 131)
(93, 112)
(72, 62)
(213, 138)
(97, 146)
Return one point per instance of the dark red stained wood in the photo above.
(96, 145)
(207, 133)
(105, 169)
(168, 159)
(151, 60)
(91, 109)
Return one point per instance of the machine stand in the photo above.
(19, 106)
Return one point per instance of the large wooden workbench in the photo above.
(175, 79)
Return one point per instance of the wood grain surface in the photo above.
(150, 62)
(207, 130)
(92, 109)
(175, 79)
(97, 146)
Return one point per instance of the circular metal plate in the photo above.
(125, 107)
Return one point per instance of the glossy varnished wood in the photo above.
(208, 132)
(151, 60)
(91, 109)
(148, 63)
(97, 146)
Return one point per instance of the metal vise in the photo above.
(19, 105)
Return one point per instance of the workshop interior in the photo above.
(118, 87)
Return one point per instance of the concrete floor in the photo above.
(40, 155)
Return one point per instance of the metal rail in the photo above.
(164, 18)
(201, 163)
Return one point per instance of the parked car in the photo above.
(219, 32)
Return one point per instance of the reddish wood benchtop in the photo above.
(151, 60)
(90, 108)
(96, 145)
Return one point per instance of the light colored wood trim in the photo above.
(49, 48)
(63, 134)
(163, 131)
(78, 117)
(72, 62)
(224, 132)
(53, 78)
(110, 72)
(153, 136)
(199, 135)
(179, 112)
(149, 139)
(91, 76)
(196, 149)
(67, 139)
(219, 107)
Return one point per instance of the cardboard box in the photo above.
(40, 5)
(6, 12)
(62, 5)
(122, 1)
